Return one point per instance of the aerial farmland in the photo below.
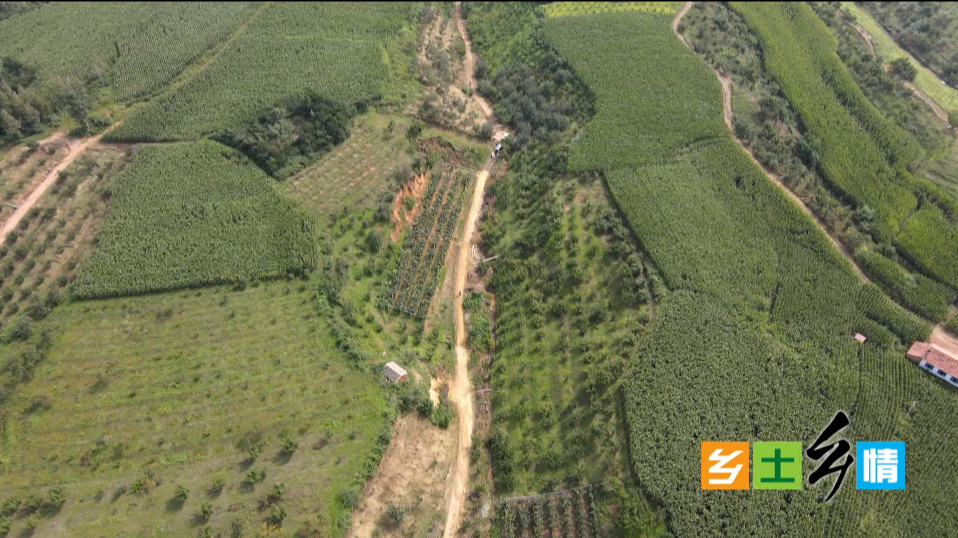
(478, 269)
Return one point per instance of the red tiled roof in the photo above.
(941, 359)
(933, 355)
(916, 353)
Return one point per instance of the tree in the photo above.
(9, 126)
(903, 69)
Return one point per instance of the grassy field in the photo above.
(287, 49)
(753, 341)
(185, 215)
(172, 388)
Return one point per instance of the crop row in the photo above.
(424, 249)
(918, 293)
(566, 514)
(569, 9)
(635, 128)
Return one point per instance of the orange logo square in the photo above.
(725, 465)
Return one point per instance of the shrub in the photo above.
(289, 446)
(206, 510)
(180, 494)
(277, 514)
(255, 476)
(217, 485)
(396, 514)
(903, 69)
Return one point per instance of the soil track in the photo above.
(77, 148)
(461, 390)
(727, 113)
(866, 35)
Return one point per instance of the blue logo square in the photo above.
(880, 465)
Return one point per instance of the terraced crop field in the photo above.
(286, 50)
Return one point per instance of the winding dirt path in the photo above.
(77, 148)
(866, 35)
(727, 113)
(461, 391)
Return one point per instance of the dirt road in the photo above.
(866, 35)
(77, 147)
(461, 391)
(727, 113)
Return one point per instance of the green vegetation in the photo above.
(613, 139)
(334, 49)
(187, 215)
(952, 326)
(135, 47)
(288, 137)
(568, 9)
(753, 340)
(426, 244)
(862, 155)
(916, 292)
(889, 50)
(144, 392)
(925, 29)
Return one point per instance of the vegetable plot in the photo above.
(424, 248)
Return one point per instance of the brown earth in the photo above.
(413, 474)
(401, 218)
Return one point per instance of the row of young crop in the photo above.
(570, 9)
(565, 514)
(918, 293)
(413, 282)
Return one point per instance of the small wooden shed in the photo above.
(394, 372)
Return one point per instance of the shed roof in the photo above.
(394, 372)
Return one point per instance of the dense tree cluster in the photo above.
(285, 138)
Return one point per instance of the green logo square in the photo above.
(776, 465)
